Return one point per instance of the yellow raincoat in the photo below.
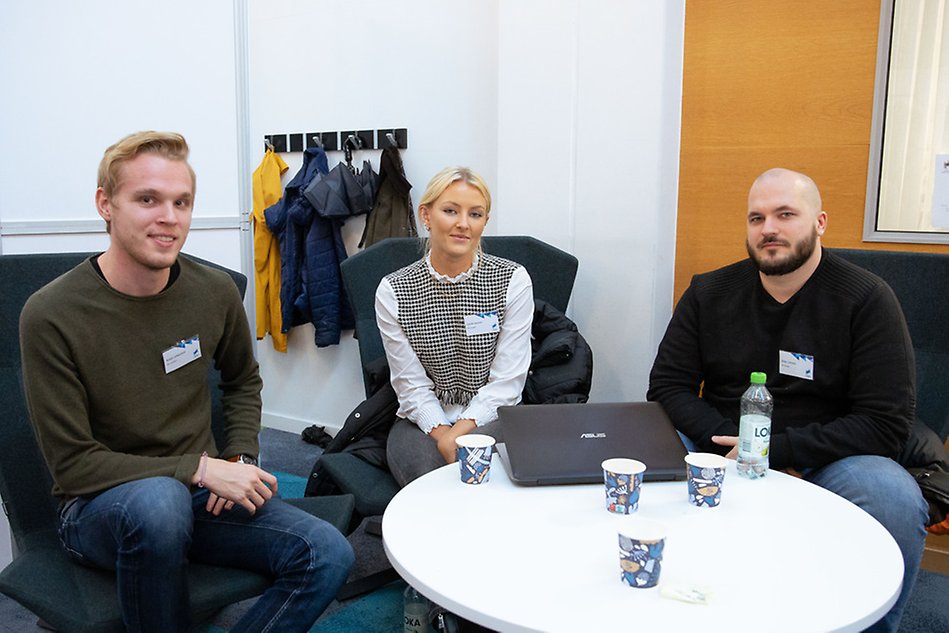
(267, 191)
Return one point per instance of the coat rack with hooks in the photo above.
(334, 141)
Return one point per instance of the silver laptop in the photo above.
(566, 443)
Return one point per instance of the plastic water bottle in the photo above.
(754, 429)
(415, 611)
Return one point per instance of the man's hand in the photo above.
(233, 483)
(731, 440)
(445, 435)
(728, 440)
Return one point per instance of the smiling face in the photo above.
(785, 222)
(149, 214)
(456, 220)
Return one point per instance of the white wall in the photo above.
(588, 138)
(569, 108)
(77, 76)
(338, 65)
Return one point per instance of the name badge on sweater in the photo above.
(795, 364)
(182, 353)
(482, 323)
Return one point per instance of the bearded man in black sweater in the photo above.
(834, 344)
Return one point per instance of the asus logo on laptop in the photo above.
(592, 436)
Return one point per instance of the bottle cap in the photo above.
(758, 377)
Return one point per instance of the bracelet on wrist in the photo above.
(202, 469)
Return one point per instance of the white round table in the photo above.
(779, 554)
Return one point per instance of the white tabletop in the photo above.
(779, 554)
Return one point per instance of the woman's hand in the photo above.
(444, 436)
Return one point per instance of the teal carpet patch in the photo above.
(377, 612)
(290, 486)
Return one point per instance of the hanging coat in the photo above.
(266, 192)
(291, 235)
(392, 214)
(330, 198)
(342, 193)
(368, 180)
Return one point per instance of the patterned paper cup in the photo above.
(706, 474)
(474, 457)
(640, 553)
(624, 479)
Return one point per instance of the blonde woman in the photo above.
(456, 328)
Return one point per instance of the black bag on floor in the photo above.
(924, 456)
(364, 434)
(934, 484)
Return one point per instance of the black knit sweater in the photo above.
(862, 398)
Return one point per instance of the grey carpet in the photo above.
(287, 452)
(928, 608)
(927, 611)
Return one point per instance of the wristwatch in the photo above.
(246, 459)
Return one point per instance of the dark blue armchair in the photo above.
(921, 283)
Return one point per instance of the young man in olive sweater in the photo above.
(115, 360)
(833, 341)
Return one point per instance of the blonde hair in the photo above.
(169, 145)
(450, 175)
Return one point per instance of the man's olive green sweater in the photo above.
(104, 409)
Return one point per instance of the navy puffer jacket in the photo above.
(291, 235)
(323, 250)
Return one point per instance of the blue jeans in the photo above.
(889, 494)
(147, 531)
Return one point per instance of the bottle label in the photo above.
(754, 435)
(415, 618)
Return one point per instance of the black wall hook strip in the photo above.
(333, 141)
(401, 136)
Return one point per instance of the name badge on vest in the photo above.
(482, 323)
(795, 364)
(182, 353)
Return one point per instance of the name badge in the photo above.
(794, 364)
(182, 353)
(483, 323)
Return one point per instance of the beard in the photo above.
(799, 254)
